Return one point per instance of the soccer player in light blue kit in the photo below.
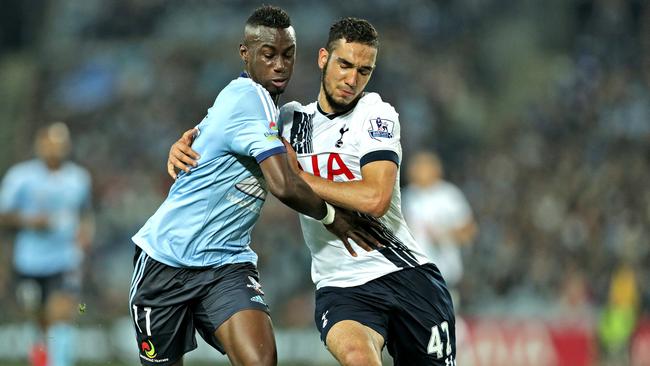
(47, 202)
(194, 268)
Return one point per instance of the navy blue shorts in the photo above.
(411, 309)
(169, 304)
(35, 291)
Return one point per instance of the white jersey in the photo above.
(433, 213)
(335, 147)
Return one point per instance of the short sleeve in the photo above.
(380, 136)
(10, 191)
(256, 132)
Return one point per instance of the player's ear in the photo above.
(323, 56)
(243, 52)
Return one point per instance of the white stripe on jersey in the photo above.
(268, 104)
(400, 257)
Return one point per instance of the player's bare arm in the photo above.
(284, 183)
(346, 224)
(14, 221)
(370, 195)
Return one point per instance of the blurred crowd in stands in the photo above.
(540, 111)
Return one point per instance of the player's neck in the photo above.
(53, 165)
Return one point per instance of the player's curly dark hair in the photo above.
(269, 16)
(353, 30)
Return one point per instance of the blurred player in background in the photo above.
(47, 201)
(439, 216)
(348, 148)
(195, 270)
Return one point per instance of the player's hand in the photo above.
(84, 240)
(350, 225)
(181, 156)
(40, 222)
(292, 158)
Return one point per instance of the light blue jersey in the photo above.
(209, 213)
(30, 189)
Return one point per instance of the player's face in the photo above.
(424, 170)
(51, 149)
(346, 72)
(269, 58)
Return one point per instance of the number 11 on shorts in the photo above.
(147, 319)
(436, 345)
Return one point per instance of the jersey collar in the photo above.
(337, 114)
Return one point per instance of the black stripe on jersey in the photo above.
(394, 250)
(301, 133)
(380, 155)
(310, 128)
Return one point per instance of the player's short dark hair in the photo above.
(269, 16)
(353, 30)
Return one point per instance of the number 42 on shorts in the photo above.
(436, 345)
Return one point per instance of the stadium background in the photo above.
(539, 109)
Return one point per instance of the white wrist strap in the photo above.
(329, 218)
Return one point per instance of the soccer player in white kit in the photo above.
(439, 216)
(348, 151)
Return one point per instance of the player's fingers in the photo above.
(374, 234)
(187, 160)
(180, 158)
(349, 247)
(170, 170)
(290, 149)
(371, 228)
(187, 150)
(360, 241)
(180, 148)
(372, 223)
(179, 164)
(371, 240)
(188, 135)
(288, 146)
